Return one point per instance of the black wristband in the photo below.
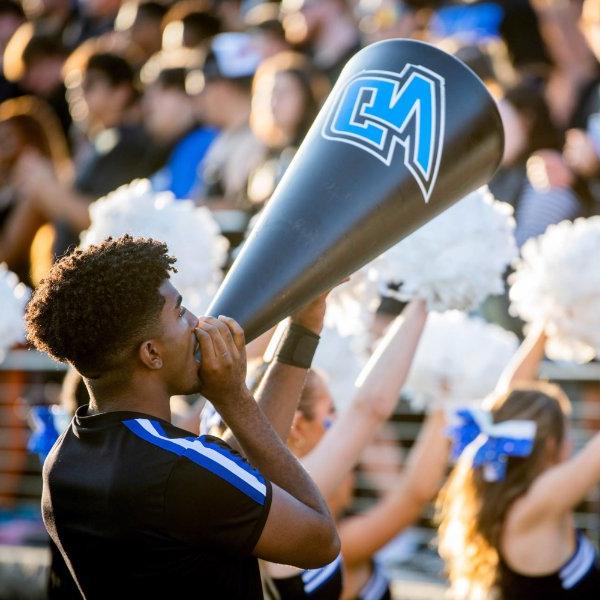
(297, 346)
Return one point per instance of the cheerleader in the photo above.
(506, 513)
(330, 447)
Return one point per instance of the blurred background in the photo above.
(209, 100)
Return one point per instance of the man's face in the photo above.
(210, 100)
(44, 76)
(168, 112)
(177, 343)
(96, 92)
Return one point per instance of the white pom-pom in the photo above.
(457, 259)
(13, 298)
(341, 360)
(190, 232)
(557, 282)
(350, 305)
(459, 360)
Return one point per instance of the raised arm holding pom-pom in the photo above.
(525, 364)
(330, 454)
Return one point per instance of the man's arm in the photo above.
(280, 391)
(313, 540)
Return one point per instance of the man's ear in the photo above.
(149, 354)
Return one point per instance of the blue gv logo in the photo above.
(379, 110)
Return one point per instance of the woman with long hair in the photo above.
(286, 95)
(28, 126)
(330, 446)
(506, 513)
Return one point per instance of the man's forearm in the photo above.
(281, 388)
(278, 395)
(266, 451)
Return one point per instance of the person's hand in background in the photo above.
(33, 176)
(581, 154)
(547, 169)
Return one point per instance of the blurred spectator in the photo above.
(482, 20)
(533, 177)
(103, 97)
(574, 63)
(266, 28)
(98, 17)
(286, 97)
(590, 25)
(582, 147)
(27, 127)
(34, 62)
(223, 90)
(189, 24)
(386, 19)
(58, 18)
(230, 13)
(11, 18)
(489, 60)
(326, 28)
(141, 22)
(170, 117)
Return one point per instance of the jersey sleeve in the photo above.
(215, 497)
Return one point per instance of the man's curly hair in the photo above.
(96, 304)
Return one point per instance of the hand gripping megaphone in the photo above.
(407, 130)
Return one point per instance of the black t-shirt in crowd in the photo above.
(116, 157)
(142, 509)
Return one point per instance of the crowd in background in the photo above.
(211, 99)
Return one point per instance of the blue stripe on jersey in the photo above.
(221, 463)
(313, 579)
(207, 443)
(580, 563)
(376, 587)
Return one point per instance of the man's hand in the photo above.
(223, 369)
(312, 315)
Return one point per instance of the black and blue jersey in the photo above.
(324, 583)
(578, 578)
(142, 509)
